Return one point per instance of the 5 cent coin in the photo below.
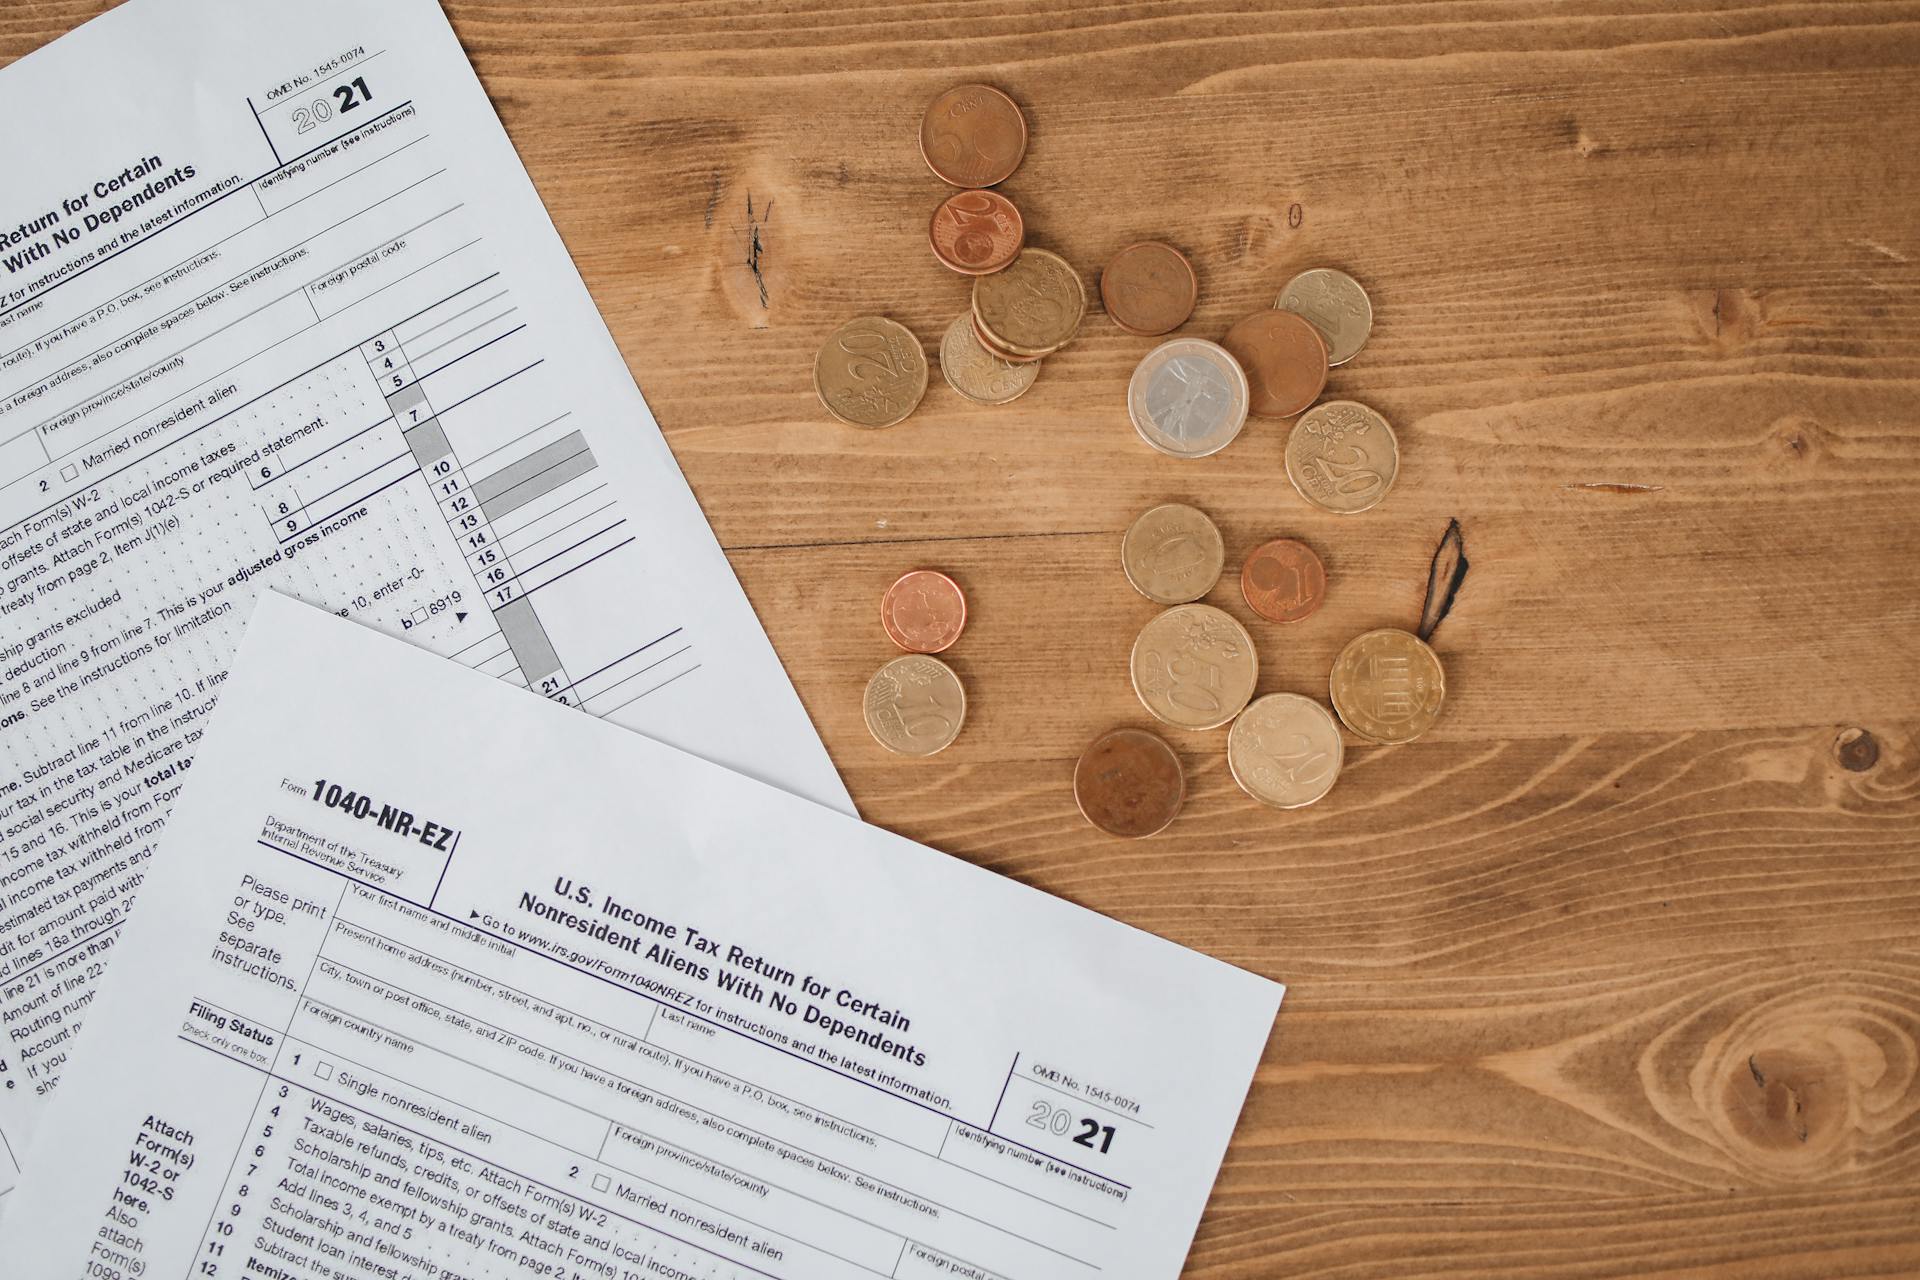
(1285, 359)
(914, 706)
(1129, 783)
(1194, 667)
(1149, 288)
(1283, 580)
(1285, 750)
(973, 136)
(924, 611)
(1172, 554)
(1388, 686)
(870, 373)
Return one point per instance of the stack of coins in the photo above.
(915, 705)
(1027, 303)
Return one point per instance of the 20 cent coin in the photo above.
(1336, 305)
(1342, 457)
(1285, 750)
(870, 373)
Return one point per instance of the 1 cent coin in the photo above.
(976, 232)
(1285, 750)
(1194, 667)
(924, 611)
(1285, 359)
(1172, 554)
(1129, 783)
(1283, 580)
(870, 373)
(1149, 288)
(1342, 457)
(1388, 686)
(973, 136)
(1336, 305)
(915, 705)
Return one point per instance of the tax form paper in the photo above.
(279, 307)
(436, 979)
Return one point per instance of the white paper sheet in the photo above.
(436, 977)
(279, 307)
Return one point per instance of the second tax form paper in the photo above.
(279, 307)
(398, 1001)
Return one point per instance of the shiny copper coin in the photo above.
(1285, 358)
(1149, 288)
(976, 232)
(973, 136)
(1129, 783)
(1283, 580)
(924, 611)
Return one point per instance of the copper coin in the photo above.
(1285, 358)
(1149, 288)
(1129, 783)
(924, 611)
(973, 136)
(975, 232)
(1283, 580)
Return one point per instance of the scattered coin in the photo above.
(973, 136)
(1129, 783)
(870, 373)
(1034, 307)
(915, 705)
(1337, 306)
(1285, 359)
(1342, 457)
(1285, 750)
(979, 374)
(1172, 554)
(1388, 686)
(1188, 398)
(1194, 666)
(976, 232)
(1149, 288)
(923, 611)
(1283, 580)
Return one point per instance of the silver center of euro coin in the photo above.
(1188, 398)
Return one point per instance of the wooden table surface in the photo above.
(1617, 971)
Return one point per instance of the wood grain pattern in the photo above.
(1617, 973)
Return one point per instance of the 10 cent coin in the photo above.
(915, 705)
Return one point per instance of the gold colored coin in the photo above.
(1334, 303)
(1194, 667)
(1388, 686)
(1285, 750)
(915, 705)
(870, 373)
(1342, 457)
(1172, 554)
(976, 372)
(1034, 307)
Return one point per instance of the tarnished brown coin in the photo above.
(1149, 288)
(1285, 359)
(975, 232)
(1388, 686)
(973, 136)
(870, 373)
(1172, 554)
(1336, 305)
(924, 611)
(1187, 398)
(979, 374)
(1032, 308)
(1194, 667)
(1283, 580)
(915, 705)
(1129, 783)
(1285, 750)
(1342, 457)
